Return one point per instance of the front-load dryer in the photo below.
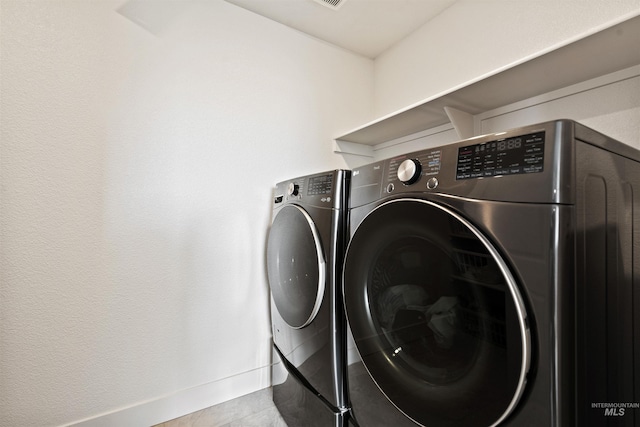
(495, 281)
(305, 251)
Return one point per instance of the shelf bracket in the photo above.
(346, 147)
(461, 121)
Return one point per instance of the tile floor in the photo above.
(253, 410)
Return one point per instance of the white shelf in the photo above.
(604, 52)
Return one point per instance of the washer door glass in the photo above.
(436, 315)
(295, 266)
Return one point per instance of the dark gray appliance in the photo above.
(305, 252)
(496, 281)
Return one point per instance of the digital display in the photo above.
(509, 156)
(319, 185)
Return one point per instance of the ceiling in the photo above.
(366, 27)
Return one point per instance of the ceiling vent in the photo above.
(331, 4)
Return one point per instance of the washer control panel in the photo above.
(526, 164)
(509, 156)
(409, 170)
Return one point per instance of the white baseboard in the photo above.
(182, 402)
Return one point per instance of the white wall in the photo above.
(474, 38)
(136, 172)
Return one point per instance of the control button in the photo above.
(409, 171)
(432, 183)
(390, 188)
(293, 188)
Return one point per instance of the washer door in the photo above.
(295, 266)
(436, 315)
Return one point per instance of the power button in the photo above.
(432, 183)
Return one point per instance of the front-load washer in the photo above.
(305, 252)
(495, 281)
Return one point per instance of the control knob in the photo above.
(293, 188)
(409, 171)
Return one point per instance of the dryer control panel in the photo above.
(321, 184)
(321, 190)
